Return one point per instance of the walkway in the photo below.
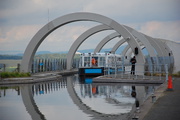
(167, 107)
(128, 78)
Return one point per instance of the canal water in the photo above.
(71, 98)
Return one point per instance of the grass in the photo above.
(13, 74)
(176, 74)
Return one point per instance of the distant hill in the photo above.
(10, 52)
(118, 51)
(14, 57)
(48, 54)
(43, 52)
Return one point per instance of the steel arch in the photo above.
(73, 17)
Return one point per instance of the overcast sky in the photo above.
(21, 19)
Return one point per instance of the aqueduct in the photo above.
(158, 51)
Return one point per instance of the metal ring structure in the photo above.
(81, 39)
(73, 17)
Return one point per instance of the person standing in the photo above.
(133, 62)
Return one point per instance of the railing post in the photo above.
(166, 70)
(18, 67)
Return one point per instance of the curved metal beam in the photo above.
(140, 36)
(125, 50)
(69, 18)
(29, 103)
(163, 46)
(146, 43)
(155, 45)
(118, 44)
(81, 39)
(166, 46)
(105, 40)
(144, 40)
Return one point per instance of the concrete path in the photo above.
(167, 107)
(127, 78)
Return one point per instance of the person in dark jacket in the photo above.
(133, 62)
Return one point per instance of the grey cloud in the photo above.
(18, 13)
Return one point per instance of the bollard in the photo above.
(137, 106)
(135, 118)
(153, 99)
(170, 84)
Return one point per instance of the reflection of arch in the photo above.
(33, 110)
(75, 98)
(51, 26)
(30, 104)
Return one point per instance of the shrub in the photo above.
(4, 74)
(13, 74)
(176, 74)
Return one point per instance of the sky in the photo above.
(20, 20)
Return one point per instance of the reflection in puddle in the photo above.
(70, 99)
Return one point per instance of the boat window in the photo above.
(111, 60)
(101, 61)
(118, 61)
(86, 61)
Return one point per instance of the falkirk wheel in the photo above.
(133, 38)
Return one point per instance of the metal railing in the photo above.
(47, 65)
(152, 71)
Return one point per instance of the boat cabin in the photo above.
(94, 63)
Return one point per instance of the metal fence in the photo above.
(6, 68)
(152, 71)
(2, 67)
(45, 65)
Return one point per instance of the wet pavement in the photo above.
(167, 107)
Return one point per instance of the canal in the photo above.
(71, 98)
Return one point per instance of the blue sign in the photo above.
(93, 70)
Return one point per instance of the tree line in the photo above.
(14, 57)
(41, 56)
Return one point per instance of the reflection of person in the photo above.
(133, 94)
(133, 61)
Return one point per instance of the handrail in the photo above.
(151, 71)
